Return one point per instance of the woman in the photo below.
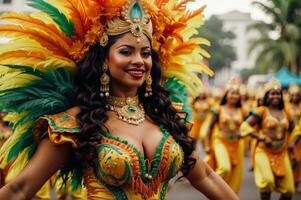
(122, 134)
(272, 168)
(201, 109)
(293, 109)
(223, 137)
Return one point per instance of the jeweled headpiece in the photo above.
(273, 83)
(134, 18)
(232, 85)
(294, 89)
(61, 33)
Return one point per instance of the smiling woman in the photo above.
(107, 122)
(272, 170)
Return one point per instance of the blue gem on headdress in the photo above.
(136, 12)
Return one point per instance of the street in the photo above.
(184, 191)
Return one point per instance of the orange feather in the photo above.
(44, 39)
(27, 20)
(192, 14)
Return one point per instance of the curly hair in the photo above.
(92, 114)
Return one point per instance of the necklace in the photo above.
(128, 109)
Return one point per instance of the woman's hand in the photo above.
(267, 141)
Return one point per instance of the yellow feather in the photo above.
(32, 54)
(11, 141)
(17, 166)
(44, 40)
(15, 79)
(28, 21)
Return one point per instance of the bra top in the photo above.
(229, 121)
(120, 170)
(270, 123)
(122, 164)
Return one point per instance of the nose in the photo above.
(137, 59)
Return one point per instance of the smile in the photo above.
(136, 73)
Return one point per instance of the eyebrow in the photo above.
(131, 47)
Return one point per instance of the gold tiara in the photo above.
(134, 18)
(273, 83)
(293, 89)
(232, 85)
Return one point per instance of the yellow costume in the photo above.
(293, 111)
(37, 79)
(228, 149)
(201, 109)
(121, 172)
(271, 164)
(296, 154)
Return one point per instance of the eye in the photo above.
(125, 52)
(146, 54)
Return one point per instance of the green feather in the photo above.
(178, 94)
(51, 93)
(59, 18)
(25, 141)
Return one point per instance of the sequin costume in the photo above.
(228, 150)
(121, 172)
(37, 74)
(296, 136)
(272, 168)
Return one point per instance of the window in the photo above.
(6, 1)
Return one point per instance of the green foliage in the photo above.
(285, 49)
(59, 18)
(223, 53)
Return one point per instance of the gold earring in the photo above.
(148, 90)
(104, 82)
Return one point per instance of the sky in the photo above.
(223, 6)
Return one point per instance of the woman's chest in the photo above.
(230, 118)
(120, 162)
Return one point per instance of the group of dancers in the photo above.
(263, 123)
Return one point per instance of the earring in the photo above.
(104, 82)
(148, 90)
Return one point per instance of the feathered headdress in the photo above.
(37, 63)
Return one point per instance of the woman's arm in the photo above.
(204, 179)
(46, 161)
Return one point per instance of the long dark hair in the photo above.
(93, 108)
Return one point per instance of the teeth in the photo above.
(135, 72)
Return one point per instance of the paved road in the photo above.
(183, 191)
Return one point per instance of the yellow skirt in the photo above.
(230, 172)
(265, 179)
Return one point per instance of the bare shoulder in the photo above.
(73, 111)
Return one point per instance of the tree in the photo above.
(223, 53)
(285, 48)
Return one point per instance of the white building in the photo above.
(237, 22)
(14, 6)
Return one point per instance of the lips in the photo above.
(136, 73)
